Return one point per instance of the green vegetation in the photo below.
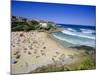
(23, 24)
(86, 63)
(49, 68)
(50, 26)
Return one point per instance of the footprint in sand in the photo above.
(15, 62)
(43, 54)
(44, 47)
(55, 56)
(13, 45)
(16, 52)
(24, 51)
(57, 53)
(35, 52)
(29, 53)
(25, 48)
(30, 47)
(62, 57)
(18, 56)
(37, 56)
(71, 56)
(41, 50)
(21, 35)
(53, 60)
(23, 41)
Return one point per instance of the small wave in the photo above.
(87, 31)
(63, 39)
(75, 42)
(58, 25)
(70, 29)
(77, 34)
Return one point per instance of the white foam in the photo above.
(77, 34)
(87, 31)
(70, 29)
(58, 25)
(76, 42)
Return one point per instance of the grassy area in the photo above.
(24, 24)
(87, 63)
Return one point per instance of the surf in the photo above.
(75, 41)
(67, 32)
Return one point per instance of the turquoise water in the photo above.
(75, 36)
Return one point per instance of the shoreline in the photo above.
(30, 48)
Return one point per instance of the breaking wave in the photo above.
(79, 34)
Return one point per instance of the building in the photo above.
(44, 24)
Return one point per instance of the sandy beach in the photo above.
(33, 49)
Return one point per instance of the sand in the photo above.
(34, 49)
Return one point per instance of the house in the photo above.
(44, 24)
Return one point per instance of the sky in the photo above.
(58, 13)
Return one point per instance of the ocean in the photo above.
(76, 35)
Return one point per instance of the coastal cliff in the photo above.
(24, 24)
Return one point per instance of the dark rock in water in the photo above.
(84, 47)
(88, 49)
